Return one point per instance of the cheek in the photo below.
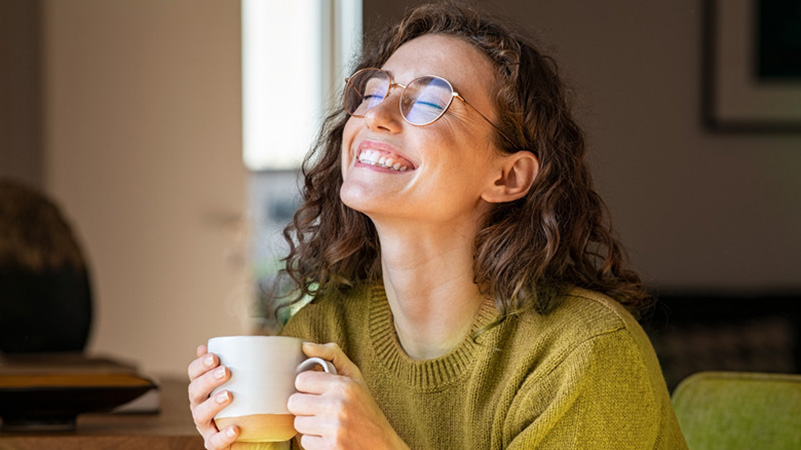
(352, 126)
(343, 160)
(348, 134)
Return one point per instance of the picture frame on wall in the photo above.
(752, 65)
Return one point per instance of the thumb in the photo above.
(332, 352)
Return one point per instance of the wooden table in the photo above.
(172, 428)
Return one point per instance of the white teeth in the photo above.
(376, 159)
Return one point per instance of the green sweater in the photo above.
(583, 376)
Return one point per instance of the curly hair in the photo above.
(526, 251)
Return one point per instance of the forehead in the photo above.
(469, 70)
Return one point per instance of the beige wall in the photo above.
(696, 209)
(143, 150)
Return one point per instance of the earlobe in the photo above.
(517, 176)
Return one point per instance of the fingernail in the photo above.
(219, 373)
(209, 360)
(230, 432)
(222, 397)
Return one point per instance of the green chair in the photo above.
(738, 410)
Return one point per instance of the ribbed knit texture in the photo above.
(583, 376)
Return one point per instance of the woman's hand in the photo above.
(338, 411)
(205, 374)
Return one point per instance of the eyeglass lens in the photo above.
(423, 101)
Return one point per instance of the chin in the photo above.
(356, 197)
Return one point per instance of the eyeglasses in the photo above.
(423, 101)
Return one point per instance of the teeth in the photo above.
(376, 159)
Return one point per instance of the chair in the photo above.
(740, 410)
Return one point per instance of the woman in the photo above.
(466, 281)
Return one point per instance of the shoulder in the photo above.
(589, 359)
(586, 328)
(326, 317)
(599, 314)
(583, 314)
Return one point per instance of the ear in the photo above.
(518, 171)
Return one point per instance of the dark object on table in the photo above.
(45, 294)
(48, 391)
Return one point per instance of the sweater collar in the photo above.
(430, 374)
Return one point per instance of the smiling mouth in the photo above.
(383, 160)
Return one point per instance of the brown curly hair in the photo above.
(526, 251)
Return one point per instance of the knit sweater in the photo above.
(582, 376)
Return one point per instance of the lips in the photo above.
(381, 155)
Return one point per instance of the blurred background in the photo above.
(129, 114)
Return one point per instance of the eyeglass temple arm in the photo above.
(347, 84)
(455, 94)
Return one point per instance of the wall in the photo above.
(142, 147)
(20, 137)
(697, 210)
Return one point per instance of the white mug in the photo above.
(263, 370)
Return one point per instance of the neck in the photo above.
(428, 277)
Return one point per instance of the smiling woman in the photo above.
(449, 152)
(467, 285)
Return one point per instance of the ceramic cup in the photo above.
(263, 370)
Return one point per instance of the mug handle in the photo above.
(315, 361)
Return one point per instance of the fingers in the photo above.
(223, 439)
(310, 442)
(200, 388)
(202, 364)
(206, 374)
(204, 407)
(203, 413)
(313, 382)
(333, 353)
(301, 405)
(314, 387)
(316, 431)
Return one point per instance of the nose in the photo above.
(386, 115)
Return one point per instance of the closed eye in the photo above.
(429, 104)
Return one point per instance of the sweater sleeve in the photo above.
(601, 396)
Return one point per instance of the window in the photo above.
(295, 57)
